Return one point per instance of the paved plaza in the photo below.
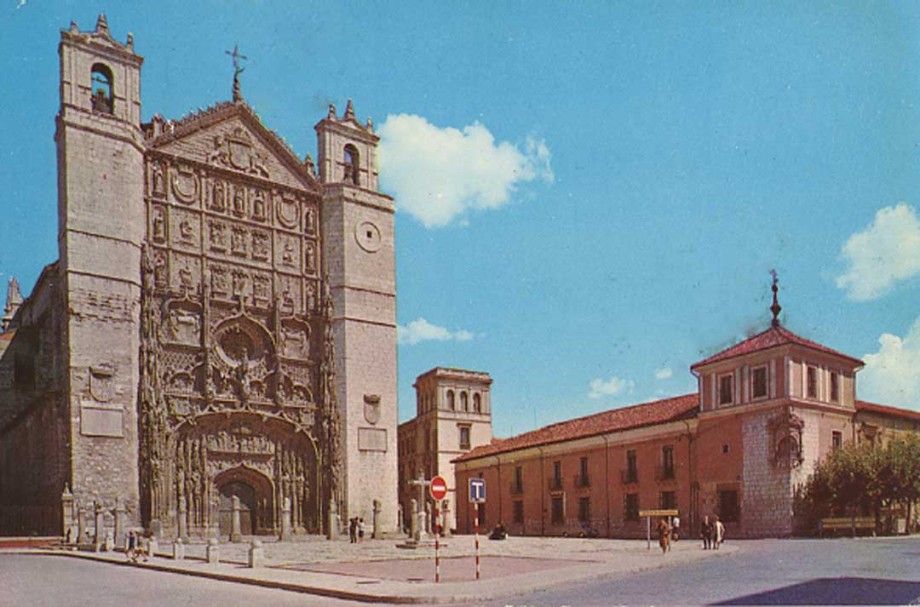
(382, 571)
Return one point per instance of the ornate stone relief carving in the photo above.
(309, 265)
(261, 245)
(235, 150)
(238, 238)
(259, 205)
(287, 210)
(157, 179)
(102, 382)
(217, 236)
(786, 440)
(158, 224)
(218, 200)
(185, 185)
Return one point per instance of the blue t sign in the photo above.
(477, 490)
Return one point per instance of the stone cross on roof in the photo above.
(237, 70)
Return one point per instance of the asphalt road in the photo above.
(866, 571)
(28, 580)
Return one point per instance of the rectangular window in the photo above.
(582, 480)
(584, 509)
(464, 437)
(836, 439)
(667, 500)
(729, 508)
(667, 462)
(631, 509)
(726, 387)
(835, 388)
(558, 510)
(517, 511)
(518, 485)
(632, 469)
(556, 481)
(812, 383)
(759, 382)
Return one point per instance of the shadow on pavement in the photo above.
(836, 591)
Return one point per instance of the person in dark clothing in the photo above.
(353, 530)
(706, 530)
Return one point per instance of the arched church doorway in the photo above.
(255, 493)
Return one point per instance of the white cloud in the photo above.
(665, 373)
(421, 330)
(611, 387)
(438, 174)
(884, 253)
(892, 375)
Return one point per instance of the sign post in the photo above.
(648, 514)
(477, 496)
(438, 490)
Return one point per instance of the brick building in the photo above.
(766, 410)
(220, 322)
(453, 416)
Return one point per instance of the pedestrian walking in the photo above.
(664, 534)
(131, 550)
(675, 528)
(706, 533)
(718, 533)
(353, 530)
(361, 529)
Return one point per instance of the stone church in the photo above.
(220, 324)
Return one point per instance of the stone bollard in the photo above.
(213, 551)
(445, 518)
(120, 513)
(235, 534)
(376, 520)
(256, 554)
(286, 519)
(413, 521)
(99, 537)
(153, 546)
(332, 528)
(109, 542)
(183, 516)
(179, 549)
(67, 510)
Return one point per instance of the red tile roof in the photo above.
(772, 337)
(862, 405)
(615, 420)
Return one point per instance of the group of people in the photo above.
(134, 550)
(356, 530)
(712, 532)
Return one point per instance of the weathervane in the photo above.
(775, 308)
(237, 70)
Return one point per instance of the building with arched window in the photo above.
(188, 346)
(429, 441)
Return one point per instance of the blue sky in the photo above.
(591, 195)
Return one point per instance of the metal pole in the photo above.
(648, 532)
(476, 533)
(437, 545)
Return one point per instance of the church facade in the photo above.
(220, 325)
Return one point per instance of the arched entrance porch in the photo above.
(256, 497)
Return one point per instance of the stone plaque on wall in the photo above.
(101, 421)
(372, 439)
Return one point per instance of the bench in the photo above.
(851, 523)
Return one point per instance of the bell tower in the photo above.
(358, 249)
(101, 226)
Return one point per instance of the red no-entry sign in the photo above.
(438, 488)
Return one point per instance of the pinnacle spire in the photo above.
(102, 25)
(775, 308)
(349, 111)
